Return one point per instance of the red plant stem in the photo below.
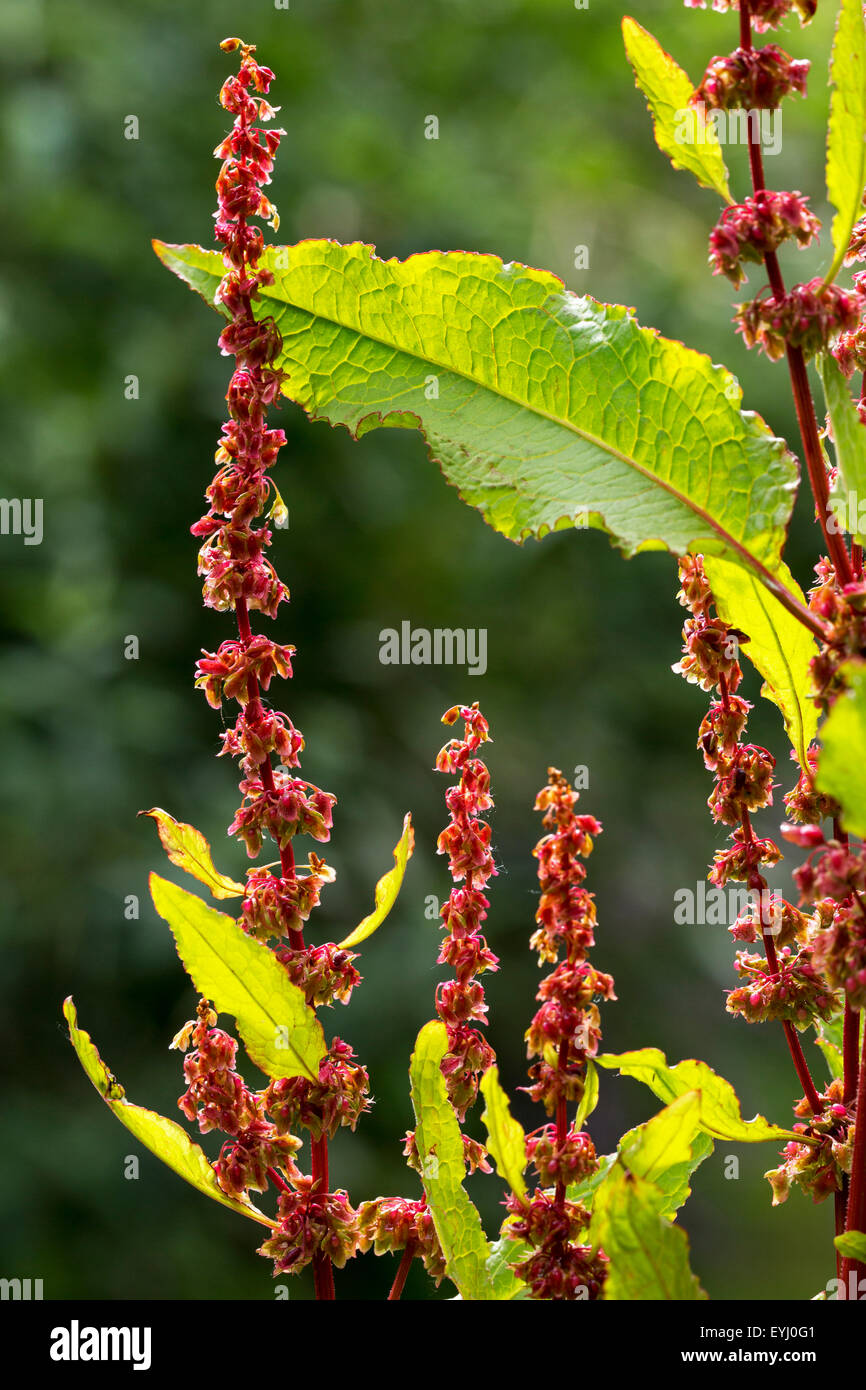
(851, 1023)
(850, 1036)
(277, 1180)
(405, 1265)
(801, 1067)
(856, 549)
(815, 463)
(322, 1266)
(323, 1271)
(561, 1118)
(796, 362)
(323, 1277)
(850, 1040)
(857, 1196)
(758, 885)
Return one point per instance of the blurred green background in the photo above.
(544, 145)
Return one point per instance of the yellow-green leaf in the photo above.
(663, 1141)
(552, 411)
(386, 889)
(852, 1244)
(589, 1099)
(505, 1137)
(720, 1114)
(667, 90)
(842, 764)
(667, 1149)
(440, 1149)
(846, 150)
(828, 1037)
(243, 978)
(189, 850)
(165, 1138)
(503, 1254)
(849, 445)
(649, 1256)
(779, 646)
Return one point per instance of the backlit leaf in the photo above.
(243, 978)
(720, 1114)
(440, 1148)
(846, 151)
(589, 1099)
(165, 1138)
(667, 90)
(189, 850)
(506, 1140)
(852, 1244)
(667, 1149)
(779, 646)
(849, 445)
(649, 1256)
(503, 1254)
(386, 889)
(842, 764)
(550, 411)
(828, 1037)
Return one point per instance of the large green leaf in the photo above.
(637, 1197)
(846, 151)
(667, 90)
(242, 977)
(164, 1137)
(440, 1148)
(720, 1114)
(545, 409)
(842, 765)
(505, 1137)
(849, 444)
(542, 406)
(189, 850)
(649, 1257)
(387, 888)
(664, 1141)
(779, 646)
(667, 1149)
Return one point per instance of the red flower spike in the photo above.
(563, 1034)
(314, 1225)
(338, 1098)
(751, 79)
(751, 230)
(808, 317)
(765, 14)
(466, 841)
(821, 1168)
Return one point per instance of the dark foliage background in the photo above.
(544, 145)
